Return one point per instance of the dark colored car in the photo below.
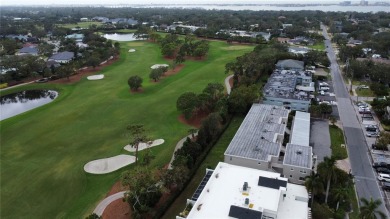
(386, 186)
(383, 170)
(379, 164)
(43, 80)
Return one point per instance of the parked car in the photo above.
(379, 164)
(386, 186)
(363, 87)
(54, 77)
(324, 84)
(324, 88)
(383, 170)
(372, 128)
(384, 177)
(372, 134)
(322, 93)
(361, 104)
(42, 80)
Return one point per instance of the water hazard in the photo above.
(17, 103)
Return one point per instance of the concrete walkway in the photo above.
(103, 204)
(227, 84)
(7, 88)
(178, 146)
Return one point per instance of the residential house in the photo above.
(78, 37)
(29, 50)
(290, 64)
(62, 57)
(298, 50)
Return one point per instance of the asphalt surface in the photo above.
(320, 139)
(365, 178)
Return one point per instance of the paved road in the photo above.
(365, 179)
(103, 204)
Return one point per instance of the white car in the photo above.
(372, 134)
(324, 88)
(384, 177)
(363, 87)
(323, 84)
(322, 93)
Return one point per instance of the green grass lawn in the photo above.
(365, 93)
(211, 161)
(318, 46)
(81, 24)
(43, 151)
(337, 138)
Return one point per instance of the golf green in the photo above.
(43, 151)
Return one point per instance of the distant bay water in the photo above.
(326, 8)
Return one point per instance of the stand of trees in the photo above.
(173, 47)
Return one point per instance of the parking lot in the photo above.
(327, 95)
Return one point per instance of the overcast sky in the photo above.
(97, 2)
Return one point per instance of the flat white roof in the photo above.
(256, 137)
(224, 189)
(301, 129)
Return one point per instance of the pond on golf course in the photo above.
(120, 37)
(16, 103)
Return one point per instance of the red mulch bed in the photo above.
(170, 72)
(195, 121)
(140, 90)
(117, 209)
(84, 72)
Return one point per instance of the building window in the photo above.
(301, 179)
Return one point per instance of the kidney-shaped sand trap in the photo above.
(158, 66)
(108, 165)
(143, 145)
(131, 50)
(95, 77)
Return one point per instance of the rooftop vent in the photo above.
(247, 201)
(299, 152)
(245, 186)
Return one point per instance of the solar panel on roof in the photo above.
(244, 213)
(271, 182)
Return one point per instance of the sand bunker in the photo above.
(108, 165)
(158, 66)
(95, 77)
(131, 50)
(143, 146)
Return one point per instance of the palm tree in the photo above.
(327, 169)
(369, 209)
(340, 194)
(314, 184)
